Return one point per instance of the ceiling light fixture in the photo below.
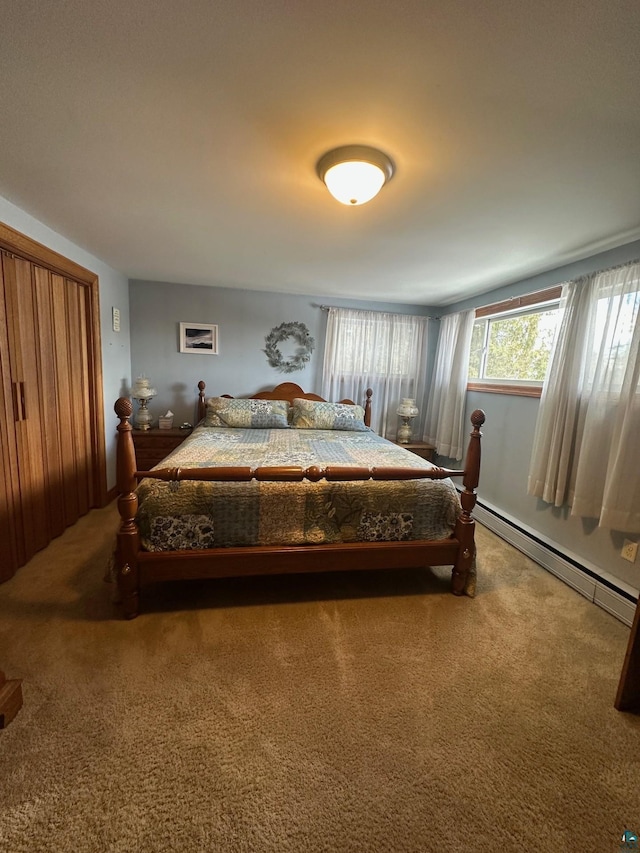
(354, 174)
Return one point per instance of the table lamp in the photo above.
(143, 392)
(407, 410)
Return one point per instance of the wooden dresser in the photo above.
(152, 445)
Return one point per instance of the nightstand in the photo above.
(152, 445)
(420, 448)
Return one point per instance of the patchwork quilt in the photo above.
(191, 514)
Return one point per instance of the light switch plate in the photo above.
(115, 314)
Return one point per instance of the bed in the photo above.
(286, 482)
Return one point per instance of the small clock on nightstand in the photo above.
(420, 448)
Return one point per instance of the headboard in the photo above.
(288, 391)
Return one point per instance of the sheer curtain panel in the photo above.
(382, 351)
(445, 413)
(587, 439)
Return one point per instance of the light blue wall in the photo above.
(508, 440)
(244, 318)
(114, 291)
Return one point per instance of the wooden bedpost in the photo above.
(202, 406)
(465, 526)
(128, 540)
(367, 408)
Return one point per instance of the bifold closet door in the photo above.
(63, 365)
(46, 441)
(28, 349)
(70, 316)
(10, 518)
(52, 448)
(54, 462)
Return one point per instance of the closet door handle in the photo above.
(16, 410)
(24, 408)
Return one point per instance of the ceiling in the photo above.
(177, 141)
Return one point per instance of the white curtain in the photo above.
(587, 439)
(445, 412)
(382, 351)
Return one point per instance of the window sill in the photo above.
(514, 390)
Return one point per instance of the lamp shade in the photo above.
(407, 408)
(354, 174)
(142, 389)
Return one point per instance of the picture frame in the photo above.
(199, 338)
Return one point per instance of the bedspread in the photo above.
(192, 514)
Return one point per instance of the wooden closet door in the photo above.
(70, 309)
(48, 375)
(49, 404)
(10, 515)
(78, 310)
(27, 346)
(52, 448)
(9, 560)
(61, 307)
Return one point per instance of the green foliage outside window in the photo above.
(477, 346)
(512, 348)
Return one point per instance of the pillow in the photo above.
(210, 416)
(246, 414)
(313, 414)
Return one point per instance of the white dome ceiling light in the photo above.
(354, 174)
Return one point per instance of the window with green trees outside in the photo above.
(512, 348)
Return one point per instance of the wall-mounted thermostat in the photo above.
(116, 319)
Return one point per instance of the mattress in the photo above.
(200, 515)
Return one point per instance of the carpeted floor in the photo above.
(356, 712)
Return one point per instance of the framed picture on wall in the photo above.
(199, 338)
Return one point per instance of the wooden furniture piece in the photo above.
(52, 449)
(628, 695)
(135, 568)
(10, 699)
(152, 445)
(421, 449)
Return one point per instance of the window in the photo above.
(511, 343)
(379, 350)
(611, 338)
(379, 345)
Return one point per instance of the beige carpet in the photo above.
(356, 712)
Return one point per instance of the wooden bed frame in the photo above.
(136, 568)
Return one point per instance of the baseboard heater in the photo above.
(610, 593)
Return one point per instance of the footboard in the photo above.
(137, 567)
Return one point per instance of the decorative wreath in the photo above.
(300, 334)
